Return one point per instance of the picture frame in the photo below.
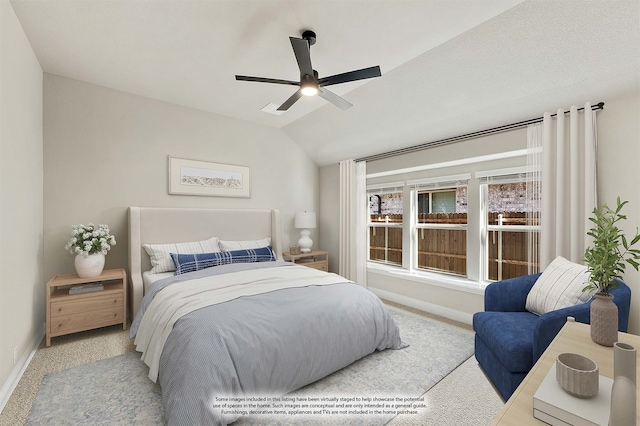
(205, 178)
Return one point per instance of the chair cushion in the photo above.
(559, 286)
(504, 381)
(509, 335)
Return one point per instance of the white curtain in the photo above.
(568, 183)
(533, 194)
(353, 221)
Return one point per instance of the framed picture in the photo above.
(193, 177)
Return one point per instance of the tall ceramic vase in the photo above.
(89, 266)
(623, 393)
(604, 320)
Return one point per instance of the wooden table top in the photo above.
(573, 337)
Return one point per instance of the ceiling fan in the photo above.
(309, 83)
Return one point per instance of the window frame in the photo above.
(486, 178)
(418, 228)
(476, 218)
(390, 188)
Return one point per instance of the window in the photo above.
(512, 226)
(440, 238)
(385, 224)
(440, 226)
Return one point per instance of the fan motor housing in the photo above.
(310, 36)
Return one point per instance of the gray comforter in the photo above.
(264, 345)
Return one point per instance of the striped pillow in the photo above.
(160, 257)
(559, 286)
(244, 245)
(194, 262)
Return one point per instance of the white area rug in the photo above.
(116, 391)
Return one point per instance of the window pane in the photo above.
(443, 250)
(515, 254)
(510, 253)
(449, 206)
(510, 200)
(444, 202)
(385, 242)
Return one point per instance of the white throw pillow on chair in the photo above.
(559, 286)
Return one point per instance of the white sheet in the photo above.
(184, 297)
(148, 278)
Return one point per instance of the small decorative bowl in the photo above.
(577, 375)
(294, 249)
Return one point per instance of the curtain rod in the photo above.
(512, 126)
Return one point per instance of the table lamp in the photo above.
(305, 221)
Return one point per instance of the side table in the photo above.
(316, 259)
(70, 313)
(573, 337)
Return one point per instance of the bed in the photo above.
(250, 326)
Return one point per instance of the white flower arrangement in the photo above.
(88, 239)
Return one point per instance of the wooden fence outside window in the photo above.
(446, 249)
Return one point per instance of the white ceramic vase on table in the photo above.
(623, 393)
(604, 320)
(89, 266)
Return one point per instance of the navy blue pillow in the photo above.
(195, 262)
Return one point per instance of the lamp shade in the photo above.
(305, 220)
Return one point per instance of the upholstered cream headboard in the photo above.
(152, 225)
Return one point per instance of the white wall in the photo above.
(618, 162)
(618, 158)
(22, 291)
(105, 150)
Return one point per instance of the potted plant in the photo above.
(90, 244)
(606, 260)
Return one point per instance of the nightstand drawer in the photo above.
(321, 265)
(80, 305)
(86, 321)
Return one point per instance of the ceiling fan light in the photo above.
(309, 88)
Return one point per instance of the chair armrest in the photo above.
(508, 295)
(550, 324)
(622, 298)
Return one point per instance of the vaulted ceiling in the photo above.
(448, 67)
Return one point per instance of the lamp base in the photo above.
(305, 242)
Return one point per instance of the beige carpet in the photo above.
(464, 397)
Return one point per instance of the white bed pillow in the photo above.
(559, 286)
(244, 245)
(161, 260)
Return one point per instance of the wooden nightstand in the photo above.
(70, 313)
(316, 259)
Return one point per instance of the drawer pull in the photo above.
(115, 300)
(59, 309)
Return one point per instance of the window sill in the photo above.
(429, 278)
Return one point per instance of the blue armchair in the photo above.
(509, 340)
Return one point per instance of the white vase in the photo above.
(89, 266)
(604, 320)
(623, 393)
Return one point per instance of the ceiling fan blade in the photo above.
(292, 100)
(350, 76)
(303, 55)
(266, 80)
(333, 98)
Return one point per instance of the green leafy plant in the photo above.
(610, 250)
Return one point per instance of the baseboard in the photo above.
(432, 308)
(20, 367)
